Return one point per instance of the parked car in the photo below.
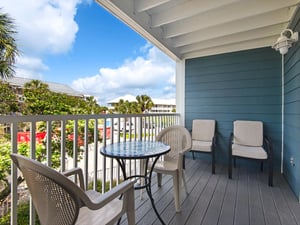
(149, 125)
(128, 126)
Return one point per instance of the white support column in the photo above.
(180, 89)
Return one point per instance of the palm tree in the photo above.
(8, 47)
(144, 102)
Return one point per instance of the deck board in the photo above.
(255, 202)
(216, 200)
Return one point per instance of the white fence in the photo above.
(78, 138)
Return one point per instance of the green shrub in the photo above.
(23, 216)
(99, 185)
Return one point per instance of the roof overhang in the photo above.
(193, 28)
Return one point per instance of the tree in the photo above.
(8, 99)
(126, 107)
(38, 98)
(92, 107)
(8, 47)
(144, 102)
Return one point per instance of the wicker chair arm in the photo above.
(98, 201)
(186, 149)
(76, 172)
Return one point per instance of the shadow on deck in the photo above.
(217, 200)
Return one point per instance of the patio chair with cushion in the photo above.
(60, 201)
(204, 139)
(248, 141)
(179, 140)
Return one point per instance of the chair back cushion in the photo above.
(249, 133)
(203, 130)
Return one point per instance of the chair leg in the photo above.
(230, 166)
(159, 179)
(193, 155)
(261, 166)
(142, 181)
(130, 207)
(270, 172)
(234, 162)
(213, 165)
(184, 182)
(176, 184)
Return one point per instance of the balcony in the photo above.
(212, 199)
(78, 139)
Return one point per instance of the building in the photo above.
(17, 84)
(160, 105)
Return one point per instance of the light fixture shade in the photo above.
(285, 41)
(283, 50)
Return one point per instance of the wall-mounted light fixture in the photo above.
(285, 41)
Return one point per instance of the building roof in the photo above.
(55, 87)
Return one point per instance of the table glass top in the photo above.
(135, 149)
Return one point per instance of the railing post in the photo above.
(95, 154)
(63, 145)
(14, 183)
(86, 152)
(48, 142)
(32, 156)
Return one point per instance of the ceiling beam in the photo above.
(265, 32)
(144, 5)
(265, 20)
(229, 13)
(185, 10)
(232, 48)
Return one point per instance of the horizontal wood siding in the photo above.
(292, 112)
(243, 85)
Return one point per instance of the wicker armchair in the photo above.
(180, 142)
(59, 201)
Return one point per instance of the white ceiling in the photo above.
(194, 28)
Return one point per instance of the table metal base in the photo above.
(147, 180)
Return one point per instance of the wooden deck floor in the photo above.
(217, 200)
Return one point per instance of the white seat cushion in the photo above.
(202, 146)
(249, 152)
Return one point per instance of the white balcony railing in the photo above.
(78, 138)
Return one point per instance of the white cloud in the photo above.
(30, 67)
(44, 27)
(153, 75)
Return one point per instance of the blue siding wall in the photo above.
(292, 112)
(244, 85)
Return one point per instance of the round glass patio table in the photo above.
(143, 150)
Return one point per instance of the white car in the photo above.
(128, 126)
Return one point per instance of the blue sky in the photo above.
(79, 43)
